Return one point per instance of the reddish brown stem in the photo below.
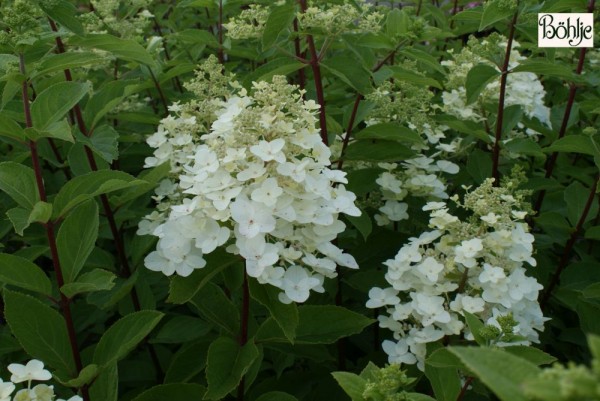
(500, 115)
(316, 69)
(464, 388)
(551, 163)
(49, 228)
(220, 53)
(564, 260)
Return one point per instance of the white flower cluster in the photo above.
(105, 17)
(249, 24)
(421, 176)
(522, 88)
(32, 371)
(259, 178)
(474, 265)
(335, 19)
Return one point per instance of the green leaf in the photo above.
(412, 77)
(390, 132)
(227, 364)
(187, 362)
(105, 99)
(286, 315)
(594, 344)
(525, 147)
(547, 68)
(104, 141)
(475, 325)
(18, 181)
(41, 330)
(593, 233)
(183, 289)
(576, 144)
(377, 151)
(106, 385)
(212, 303)
(87, 186)
(349, 71)
(54, 102)
(576, 196)
(76, 238)
(173, 392)
(423, 57)
(443, 377)
(59, 130)
(478, 78)
(276, 396)
(124, 335)
(126, 49)
(363, 224)
(10, 128)
(353, 385)
(279, 19)
(197, 37)
(418, 397)
(278, 66)
(533, 355)
(493, 12)
(62, 61)
(500, 371)
(479, 165)
(181, 329)
(86, 376)
(20, 272)
(63, 12)
(315, 326)
(19, 218)
(96, 280)
(512, 116)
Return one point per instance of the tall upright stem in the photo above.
(564, 260)
(550, 164)
(125, 270)
(65, 304)
(316, 69)
(220, 53)
(500, 114)
(299, 55)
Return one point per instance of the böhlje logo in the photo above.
(566, 30)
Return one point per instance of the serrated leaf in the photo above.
(278, 66)
(475, 325)
(493, 12)
(533, 355)
(18, 181)
(62, 61)
(547, 68)
(183, 289)
(76, 238)
(19, 218)
(126, 49)
(63, 12)
(353, 384)
(104, 141)
(87, 186)
(349, 71)
(227, 364)
(423, 57)
(95, 280)
(41, 330)
(181, 329)
(86, 376)
(412, 77)
(500, 371)
(197, 37)
(173, 392)
(576, 144)
(106, 385)
(105, 99)
(124, 335)
(212, 304)
(276, 396)
(187, 362)
(380, 151)
(10, 128)
(478, 78)
(279, 19)
(54, 102)
(286, 316)
(20, 272)
(576, 196)
(390, 132)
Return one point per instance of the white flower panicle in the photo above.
(31, 371)
(522, 88)
(257, 182)
(475, 265)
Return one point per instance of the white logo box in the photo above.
(566, 30)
